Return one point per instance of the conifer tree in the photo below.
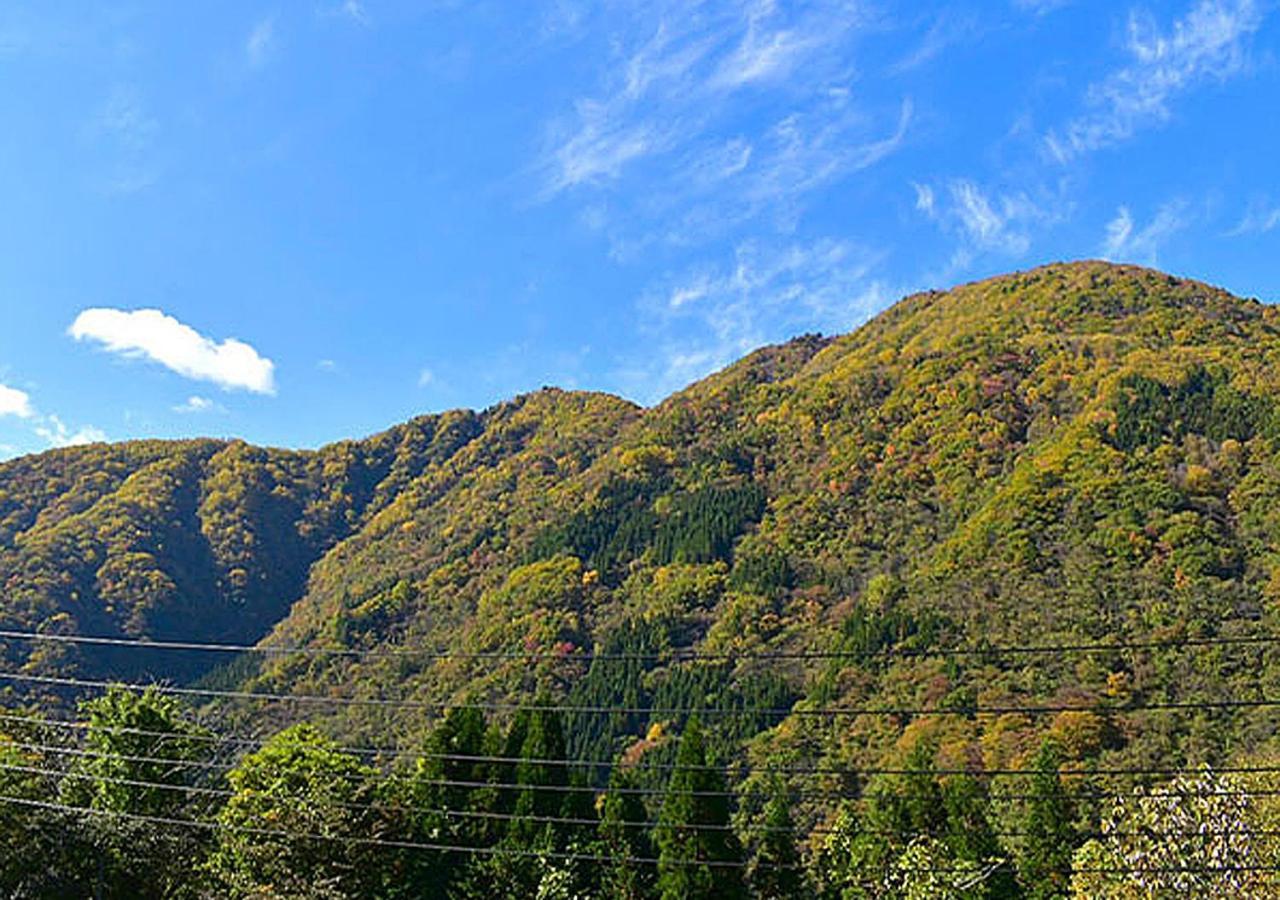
(622, 836)
(693, 828)
(775, 867)
(1044, 866)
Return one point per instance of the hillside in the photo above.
(1079, 454)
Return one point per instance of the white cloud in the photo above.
(53, 430)
(257, 46)
(124, 117)
(1126, 242)
(126, 132)
(600, 148)
(924, 198)
(762, 54)
(983, 220)
(14, 402)
(947, 29)
(355, 11)
(1209, 42)
(150, 334)
(426, 377)
(197, 404)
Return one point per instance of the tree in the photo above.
(287, 830)
(623, 837)
(41, 851)
(693, 828)
(143, 758)
(775, 870)
(1194, 837)
(1044, 866)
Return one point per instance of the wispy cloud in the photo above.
(1259, 217)
(260, 42)
(1209, 42)
(947, 30)
(708, 120)
(983, 220)
(150, 334)
(126, 130)
(426, 377)
(355, 11)
(767, 292)
(49, 427)
(57, 434)
(196, 404)
(1125, 241)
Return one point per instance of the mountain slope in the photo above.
(1082, 452)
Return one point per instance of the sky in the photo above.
(302, 221)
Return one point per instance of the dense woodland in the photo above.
(694, 597)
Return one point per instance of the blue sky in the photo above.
(302, 221)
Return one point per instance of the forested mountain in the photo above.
(1076, 455)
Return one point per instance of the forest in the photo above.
(979, 600)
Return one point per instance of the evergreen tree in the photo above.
(622, 836)
(693, 828)
(1044, 866)
(775, 867)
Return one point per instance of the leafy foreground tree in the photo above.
(40, 855)
(1193, 837)
(696, 796)
(917, 835)
(143, 756)
(288, 829)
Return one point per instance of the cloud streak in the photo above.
(703, 123)
(1208, 43)
(150, 334)
(767, 292)
(1125, 241)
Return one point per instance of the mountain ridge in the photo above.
(1073, 453)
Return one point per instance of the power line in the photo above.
(777, 712)
(398, 808)
(672, 655)
(365, 841)
(214, 826)
(807, 794)
(749, 828)
(814, 771)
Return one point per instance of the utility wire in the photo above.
(778, 712)
(364, 841)
(1091, 792)
(672, 655)
(215, 826)
(811, 771)
(576, 821)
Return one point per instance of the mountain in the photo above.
(1078, 453)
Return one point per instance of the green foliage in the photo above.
(1078, 453)
(694, 798)
(292, 825)
(1204, 402)
(700, 526)
(1196, 836)
(1044, 866)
